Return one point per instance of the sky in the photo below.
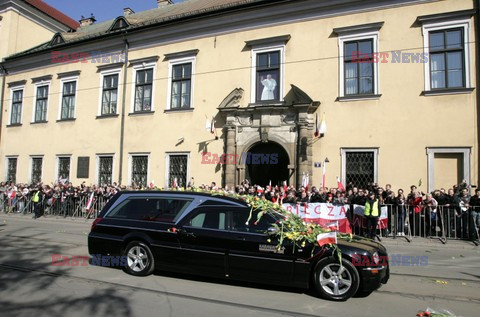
(103, 10)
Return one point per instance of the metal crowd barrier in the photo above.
(440, 222)
(71, 206)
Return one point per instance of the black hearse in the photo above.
(209, 235)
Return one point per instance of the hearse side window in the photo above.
(239, 221)
(150, 209)
(209, 220)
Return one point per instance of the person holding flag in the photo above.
(90, 202)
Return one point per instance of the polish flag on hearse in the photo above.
(327, 238)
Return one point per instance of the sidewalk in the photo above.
(429, 242)
(48, 218)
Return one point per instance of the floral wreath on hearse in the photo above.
(292, 227)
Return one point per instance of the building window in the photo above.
(16, 113)
(181, 86)
(36, 176)
(358, 67)
(41, 104)
(12, 169)
(63, 169)
(105, 170)
(447, 66)
(359, 166)
(267, 76)
(143, 90)
(139, 170)
(177, 170)
(109, 94)
(358, 61)
(447, 45)
(68, 100)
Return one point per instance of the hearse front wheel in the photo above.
(140, 260)
(334, 281)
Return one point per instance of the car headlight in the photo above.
(375, 258)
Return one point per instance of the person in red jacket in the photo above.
(415, 199)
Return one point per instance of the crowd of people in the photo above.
(425, 212)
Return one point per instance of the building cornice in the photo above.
(34, 15)
(433, 18)
(283, 39)
(68, 74)
(362, 28)
(213, 24)
(182, 54)
(42, 78)
(16, 83)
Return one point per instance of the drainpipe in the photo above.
(122, 114)
(477, 61)
(3, 74)
(477, 87)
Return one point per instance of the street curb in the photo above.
(451, 244)
(59, 219)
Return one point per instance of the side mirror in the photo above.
(272, 231)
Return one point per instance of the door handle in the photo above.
(181, 232)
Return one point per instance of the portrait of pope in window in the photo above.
(267, 86)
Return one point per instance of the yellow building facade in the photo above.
(132, 100)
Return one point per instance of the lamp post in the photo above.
(325, 161)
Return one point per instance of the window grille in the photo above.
(139, 170)
(178, 170)
(360, 168)
(105, 169)
(37, 169)
(12, 170)
(64, 168)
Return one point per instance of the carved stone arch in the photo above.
(233, 99)
(273, 138)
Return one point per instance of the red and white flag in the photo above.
(90, 201)
(332, 226)
(323, 125)
(305, 181)
(208, 124)
(175, 184)
(324, 171)
(317, 126)
(340, 185)
(212, 127)
(327, 238)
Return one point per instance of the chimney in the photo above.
(162, 3)
(87, 21)
(127, 11)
